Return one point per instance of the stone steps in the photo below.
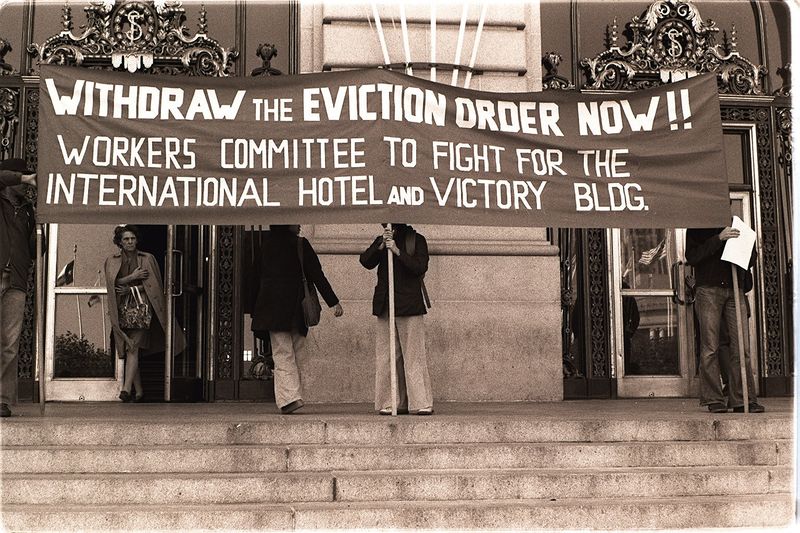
(214, 469)
(325, 457)
(403, 430)
(754, 510)
(413, 485)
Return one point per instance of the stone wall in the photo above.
(493, 333)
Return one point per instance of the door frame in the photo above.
(687, 384)
(71, 389)
(178, 274)
(107, 388)
(644, 386)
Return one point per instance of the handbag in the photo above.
(136, 312)
(310, 303)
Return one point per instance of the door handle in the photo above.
(682, 283)
(179, 269)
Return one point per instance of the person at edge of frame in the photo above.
(414, 391)
(715, 305)
(278, 306)
(16, 257)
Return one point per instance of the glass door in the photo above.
(186, 268)
(652, 326)
(80, 364)
(655, 335)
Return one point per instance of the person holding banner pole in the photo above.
(409, 252)
(17, 225)
(717, 301)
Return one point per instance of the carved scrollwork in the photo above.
(267, 52)
(670, 41)
(225, 302)
(552, 80)
(138, 36)
(5, 68)
(786, 88)
(32, 127)
(599, 334)
(9, 120)
(27, 340)
(774, 327)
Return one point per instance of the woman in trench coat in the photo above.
(125, 270)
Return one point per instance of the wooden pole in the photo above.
(77, 298)
(392, 331)
(740, 337)
(39, 303)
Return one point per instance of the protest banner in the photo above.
(374, 145)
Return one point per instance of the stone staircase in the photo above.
(171, 467)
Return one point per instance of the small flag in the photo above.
(65, 277)
(659, 252)
(93, 300)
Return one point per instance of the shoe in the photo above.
(388, 411)
(718, 408)
(139, 399)
(755, 407)
(292, 407)
(424, 411)
(4, 410)
(125, 396)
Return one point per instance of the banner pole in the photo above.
(38, 306)
(77, 297)
(392, 331)
(740, 337)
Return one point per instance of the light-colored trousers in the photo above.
(286, 348)
(413, 380)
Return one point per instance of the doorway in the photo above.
(80, 361)
(655, 335)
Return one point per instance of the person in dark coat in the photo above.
(413, 379)
(630, 321)
(16, 258)
(714, 305)
(278, 307)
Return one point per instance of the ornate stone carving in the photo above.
(225, 302)
(9, 120)
(138, 35)
(668, 42)
(267, 53)
(552, 80)
(31, 149)
(786, 73)
(5, 68)
(27, 340)
(598, 304)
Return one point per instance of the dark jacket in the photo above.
(280, 288)
(704, 252)
(408, 273)
(17, 223)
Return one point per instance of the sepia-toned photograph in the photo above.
(455, 265)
